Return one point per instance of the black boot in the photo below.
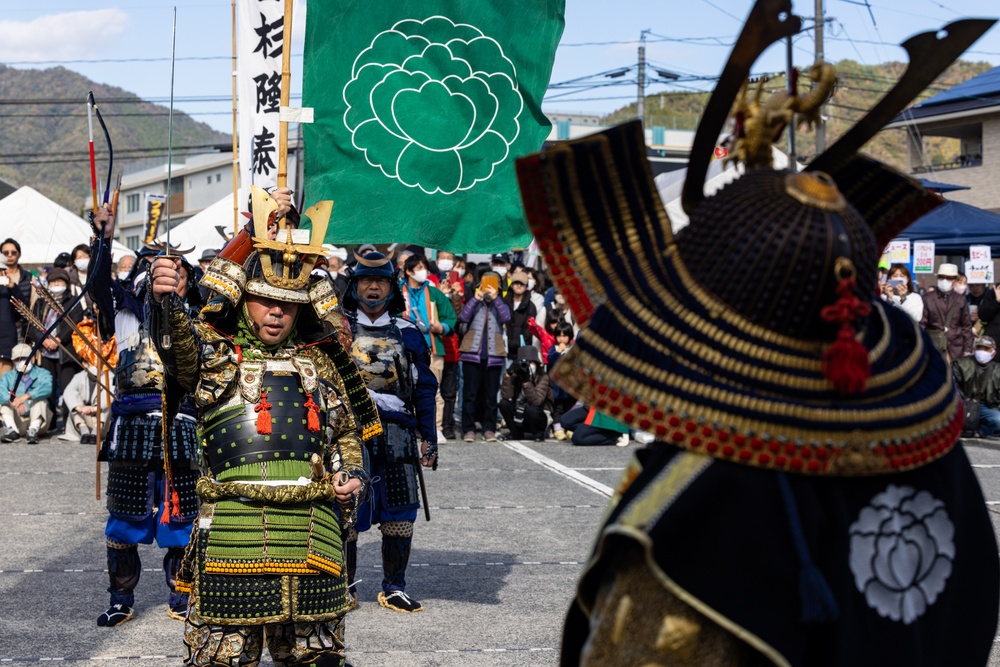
(124, 569)
(351, 559)
(395, 556)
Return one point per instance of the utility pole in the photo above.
(821, 125)
(640, 107)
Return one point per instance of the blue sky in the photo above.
(133, 40)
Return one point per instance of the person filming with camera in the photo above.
(526, 396)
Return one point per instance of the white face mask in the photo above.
(984, 356)
(446, 265)
(961, 288)
(502, 270)
(531, 284)
(122, 275)
(81, 264)
(57, 290)
(420, 276)
(460, 272)
(945, 285)
(23, 366)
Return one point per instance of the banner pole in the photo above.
(236, 154)
(286, 76)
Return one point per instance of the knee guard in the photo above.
(396, 528)
(124, 569)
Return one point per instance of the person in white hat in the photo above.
(946, 316)
(27, 414)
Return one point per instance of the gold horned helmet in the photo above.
(287, 260)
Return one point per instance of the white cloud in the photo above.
(65, 36)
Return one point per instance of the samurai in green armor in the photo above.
(282, 413)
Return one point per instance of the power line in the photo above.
(96, 61)
(715, 6)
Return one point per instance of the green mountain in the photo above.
(43, 131)
(859, 87)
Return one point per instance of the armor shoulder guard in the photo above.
(218, 364)
(335, 364)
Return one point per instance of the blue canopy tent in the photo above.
(954, 227)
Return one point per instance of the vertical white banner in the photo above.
(259, 49)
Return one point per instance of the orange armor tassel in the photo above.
(312, 417)
(263, 416)
(165, 511)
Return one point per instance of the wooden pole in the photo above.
(236, 154)
(286, 77)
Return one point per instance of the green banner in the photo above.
(421, 108)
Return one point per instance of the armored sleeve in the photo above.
(345, 427)
(181, 360)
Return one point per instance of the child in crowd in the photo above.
(561, 401)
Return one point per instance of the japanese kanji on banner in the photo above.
(259, 46)
(421, 107)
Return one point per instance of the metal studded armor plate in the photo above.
(230, 430)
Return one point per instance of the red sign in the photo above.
(721, 152)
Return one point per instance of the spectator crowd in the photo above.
(494, 329)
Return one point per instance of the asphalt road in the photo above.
(495, 567)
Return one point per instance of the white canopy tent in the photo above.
(671, 183)
(43, 228)
(201, 231)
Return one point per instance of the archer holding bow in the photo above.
(151, 480)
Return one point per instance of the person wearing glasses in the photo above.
(14, 282)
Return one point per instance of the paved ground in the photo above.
(495, 567)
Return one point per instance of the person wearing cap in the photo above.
(526, 396)
(500, 264)
(394, 358)
(27, 414)
(806, 502)
(281, 411)
(946, 316)
(431, 311)
(978, 378)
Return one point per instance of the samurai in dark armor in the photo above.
(282, 410)
(807, 501)
(151, 483)
(394, 360)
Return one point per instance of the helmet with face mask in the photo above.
(374, 264)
